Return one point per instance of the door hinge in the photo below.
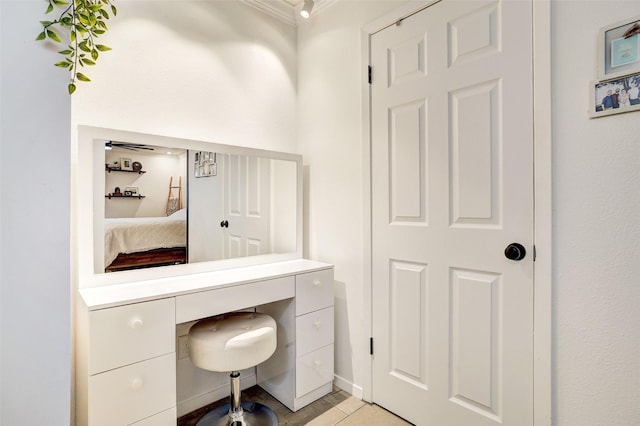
(369, 76)
(371, 346)
(535, 254)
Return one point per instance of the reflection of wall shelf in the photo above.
(114, 195)
(114, 169)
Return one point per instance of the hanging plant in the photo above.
(84, 21)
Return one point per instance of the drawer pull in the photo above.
(136, 383)
(317, 324)
(136, 323)
(317, 283)
(317, 364)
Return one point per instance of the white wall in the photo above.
(35, 373)
(216, 71)
(330, 141)
(283, 206)
(596, 231)
(596, 324)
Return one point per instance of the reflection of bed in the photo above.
(144, 241)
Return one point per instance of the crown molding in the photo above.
(285, 11)
(278, 9)
(322, 5)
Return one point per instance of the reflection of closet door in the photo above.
(247, 206)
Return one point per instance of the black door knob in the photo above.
(224, 224)
(515, 251)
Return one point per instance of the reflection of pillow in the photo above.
(179, 215)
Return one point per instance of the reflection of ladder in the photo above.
(174, 203)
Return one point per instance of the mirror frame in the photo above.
(88, 170)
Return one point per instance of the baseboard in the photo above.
(348, 387)
(185, 407)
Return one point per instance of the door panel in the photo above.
(248, 208)
(407, 163)
(408, 285)
(475, 144)
(475, 340)
(452, 185)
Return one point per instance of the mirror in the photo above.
(167, 206)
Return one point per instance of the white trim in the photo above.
(347, 386)
(277, 9)
(286, 12)
(409, 8)
(542, 200)
(543, 191)
(367, 297)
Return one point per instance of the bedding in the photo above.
(138, 234)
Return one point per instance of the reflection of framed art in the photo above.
(615, 96)
(205, 164)
(619, 51)
(126, 164)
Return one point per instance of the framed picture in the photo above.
(205, 164)
(619, 49)
(132, 190)
(615, 96)
(126, 164)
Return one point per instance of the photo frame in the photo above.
(619, 49)
(131, 190)
(615, 96)
(126, 164)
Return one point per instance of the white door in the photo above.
(247, 206)
(452, 187)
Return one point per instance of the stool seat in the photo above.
(232, 342)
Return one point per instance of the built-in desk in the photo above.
(126, 338)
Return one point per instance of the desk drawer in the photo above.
(132, 393)
(314, 291)
(131, 333)
(313, 331)
(195, 306)
(314, 370)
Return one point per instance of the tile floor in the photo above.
(337, 408)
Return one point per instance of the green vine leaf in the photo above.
(83, 21)
(53, 36)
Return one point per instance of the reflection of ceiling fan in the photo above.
(126, 145)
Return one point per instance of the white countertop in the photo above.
(141, 291)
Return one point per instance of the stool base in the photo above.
(254, 414)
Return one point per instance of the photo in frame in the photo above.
(619, 49)
(615, 96)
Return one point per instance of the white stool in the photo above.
(233, 342)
